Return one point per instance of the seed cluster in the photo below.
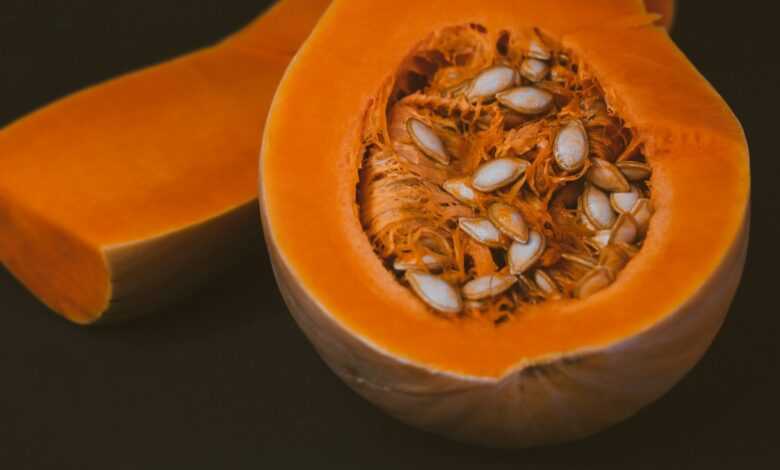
(495, 175)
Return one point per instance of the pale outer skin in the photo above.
(150, 274)
(563, 398)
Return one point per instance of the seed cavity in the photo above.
(436, 292)
(481, 230)
(495, 174)
(427, 141)
(523, 255)
(526, 100)
(498, 173)
(571, 146)
(509, 220)
(492, 81)
(488, 286)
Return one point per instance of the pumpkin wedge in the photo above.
(511, 223)
(122, 197)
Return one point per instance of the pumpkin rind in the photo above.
(554, 373)
(125, 196)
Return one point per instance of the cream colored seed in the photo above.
(435, 291)
(538, 49)
(579, 260)
(488, 286)
(607, 176)
(526, 100)
(635, 171)
(546, 284)
(481, 230)
(509, 220)
(623, 202)
(523, 255)
(594, 281)
(642, 211)
(571, 146)
(601, 238)
(625, 230)
(460, 189)
(597, 207)
(534, 69)
(427, 141)
(430, 261)
(492, 81)
(498, 173)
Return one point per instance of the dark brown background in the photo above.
(226, 380)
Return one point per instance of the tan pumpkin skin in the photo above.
(559, 373)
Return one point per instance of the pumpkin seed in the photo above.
(625, 230)
(481, 230)
(475, 304)
(534, 69)
(607, 176)
(523, 255)
(635, 171)
(623, 202)
(538, 49)
(435, 291)
(594, 281)
(571, 146)
(546, 284)
(492, 81)
(597, 207)
(526, 100)
(601, 238)
(460, 189)
(613, 259)
(509, 220)
(498, 173)
(428, 260)
(488, 286)
(579, 260)
(427, 141)
(642, 211)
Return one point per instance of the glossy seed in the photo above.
(579, 260)
(571, 146)
(623, 202)
(594, 281)
(526, 100)
(635, 171)
(586, 222)
(509, 220)
(436, 292)
(427, 141)
(488, 286)
(607, 176)
(596, 206)
(538, 49)
(481, 230)
(625, 230)
(534, 69)
(491, 81)
(601, 238)
(498, 173)
(523, 255)
(546, 284)
(642, 211)
(430, 261)
(461, 190)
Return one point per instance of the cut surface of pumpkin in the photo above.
(125, 196)
(554, 309)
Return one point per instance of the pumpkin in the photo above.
(397, 129)
(125, 196)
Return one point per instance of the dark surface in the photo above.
(226, 379)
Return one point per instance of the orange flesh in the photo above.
(139, 157)
(311, 154)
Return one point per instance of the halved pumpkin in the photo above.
(561, 365)
(125, 196)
